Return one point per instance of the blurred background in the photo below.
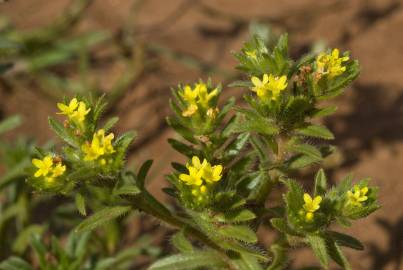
(134, 51)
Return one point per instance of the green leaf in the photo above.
(130, 190)
(320, 183)
(63, 133)
(15, 263)
(239, 215)
(21, 243)
(280, 258)
(246, 262)
(346, 240)
(235, 147)
(239, 232)
(102, 217)
(316, 131)
(183, 148)
(324, 111)
(254, 122)
(143, 171)
(307, 149)
(281, 225)
(184, 132)
(181, 243)
(294, 195)
(318, 246)
(188, 261)
(10, 123)
(110, 123)
(335, 252)
(80, 204)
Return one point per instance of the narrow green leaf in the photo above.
(130, 190)
(306, 149)
(102, 217)
(181, 243)
(110, 123)
(15, 263)
(143, 171)
(335, 252)
(317, 132)
(346, 240)
(239, 232)
(325, 111)
(62, 132)
(239, 215)
(281, 225)
(318, 246)
(21, 243)
(189, 261)
(320, 183)
(182, 148)
(80, 204)
(10, 123)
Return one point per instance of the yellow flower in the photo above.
(190, 95)
(358, 195)
(331, 64)
(48, 168)
(58, 170)
(200, 173)
(212, 173)
(251, 54)
(269, 87)
(44, 166)
(68, 109)
(204, 96)
(75, 111)
(193, 178)
(99, 146)
(196, 98)
(311, 206)
(80, 113)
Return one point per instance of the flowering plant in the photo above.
(237, 157)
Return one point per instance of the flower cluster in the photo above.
(310, 206)
(270, 87)
(197, 99)
(357, 196)
(48, 168)
(99, 147)
(331, 64)
(201, 175)
(75, 111)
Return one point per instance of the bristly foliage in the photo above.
(236, 156)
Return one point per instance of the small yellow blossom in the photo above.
(331, 64)
(68, 109)
(212, 173)
(311, 206)
(100, 145)
(190, 95)
(200, 175)
(48, 168)
(193, 178)
(75, 110)
(196, 98)
(80, 113)
(204, 96)
(269, 87)
(358, 195)
(251, 54)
